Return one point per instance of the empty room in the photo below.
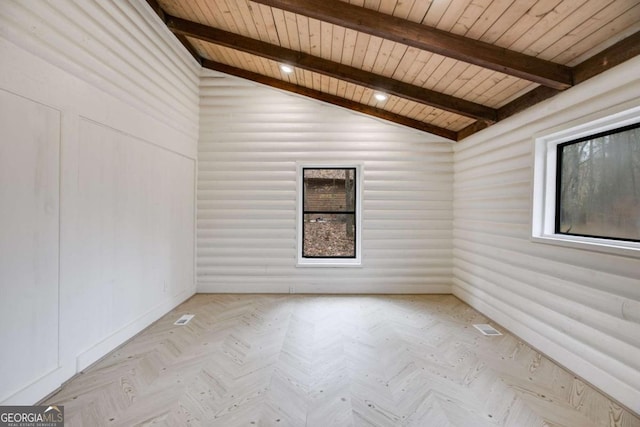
(320, 213)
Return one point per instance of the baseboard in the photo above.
(39, 388)
(232, 288)
(572, 362)
(51, 382)
(97, 351)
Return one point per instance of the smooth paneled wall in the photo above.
(580, 307)
(98, 143)
(251, 137)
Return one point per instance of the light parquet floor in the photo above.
(289, 360)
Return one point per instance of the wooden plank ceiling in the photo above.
(449, 67)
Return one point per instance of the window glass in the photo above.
(598, 185)
(329, 213)
(329, 236)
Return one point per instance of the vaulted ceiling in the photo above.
(448, 67)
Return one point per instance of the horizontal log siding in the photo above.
(250, 140)
(582, 308)
(120, 47)
(110, 99)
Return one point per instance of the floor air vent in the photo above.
(487, 329)
(184, 319)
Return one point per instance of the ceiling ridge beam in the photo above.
(430, 39)
(182, 27)
(331, 99)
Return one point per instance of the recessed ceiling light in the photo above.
(287, 69)
(380, 96)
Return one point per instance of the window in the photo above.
(598, 182)
(328, 215)
(587, 185)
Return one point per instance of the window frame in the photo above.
(545, 183)
(302, 261)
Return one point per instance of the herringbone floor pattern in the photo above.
(280, 360)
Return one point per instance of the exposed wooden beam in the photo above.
(519, 104)
(331, 99)
(599, 63)
(157, 9)
(525, 101)
(163, 16)
(410, 33)
(353, 75)
(471, 129)
(391, 28)
(608, 58)
(192, 50)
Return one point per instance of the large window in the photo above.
(598, 182)
(329, 231)
(587, 185)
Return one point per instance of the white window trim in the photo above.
(329, 262)
(544, 180)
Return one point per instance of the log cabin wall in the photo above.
(580, 307)
(98, 135)
(251, 137)
(101, 102)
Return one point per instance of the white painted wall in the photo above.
(250, 139)
(579, 307)
(98, 142)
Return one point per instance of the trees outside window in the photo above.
(329, 215)
(598, 179)
(586, 183)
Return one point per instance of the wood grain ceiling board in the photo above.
(566, 32)
(466, 81)
(527, 26)
(596, 33)
(546, 28)
(394, 29)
